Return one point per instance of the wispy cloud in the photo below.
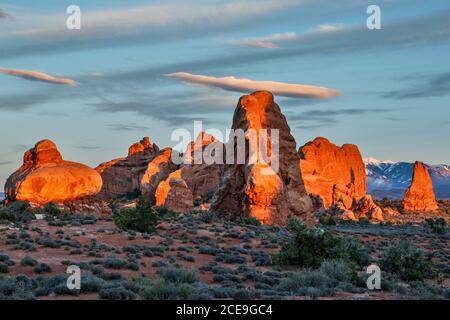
(246, 86)
(88, 147)
(174, 108)
(267, 42)
(132, 25)
(430, 86)
(126, 127)
(4, 15)
(37, 76)
(4, 163)
(314, 119)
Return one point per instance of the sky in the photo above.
(145, 68)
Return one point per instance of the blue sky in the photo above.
(394, 83)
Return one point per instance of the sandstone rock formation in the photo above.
(366, 208)
(200, 175)
(175, 195)
(157, 170)
(45, 177)
(122, 176)
(336, 174)
(253, 188)
(200, 169)
(420, 195)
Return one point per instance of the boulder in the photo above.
(175, 195)
(45, 177)
(157, 170)
(420, 196)
(336, 174)
(253, 188)
(368, 209)
(122, 176)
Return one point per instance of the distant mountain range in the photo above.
(391, 179)
(2, 196)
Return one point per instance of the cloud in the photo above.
(246, 86)
(19, 147)
(436, 85)
(126, 127)
(4, 15)
(324, 118)
(267, 42)
(146, 24)
(37, 76)
(3, 163)
(88, 147)
(174, 109)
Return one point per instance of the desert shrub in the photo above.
(309, 248)
(308, 283)
(4, 268)
(178, 275)
(162, 289)
(51, 209)
(28, 261)
(18, 211)
(18, 288)
(261, 258)
(42, 268)
(230, 258)
(249, 220)
(143, 218)
(116, 293)
(438, 226)
(406, 261)
(338, 270)
(327, 220)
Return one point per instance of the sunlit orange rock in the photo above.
(45, 177)
(420, 195)
(336, 174)
(122, 176)
(200, 172)
(175, 195)
(269, 197)
(157, 170)
(368, 209)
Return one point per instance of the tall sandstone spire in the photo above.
(248, 188)
(420, 195)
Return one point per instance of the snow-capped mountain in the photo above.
(391, 179)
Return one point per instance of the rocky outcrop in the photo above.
(198, 172)
(175, 195)
(253, 188)
(123, 176)
(157, 170)
(45, 177)
(366, 208)
(336, 174)
(201, 169)
(420, 195)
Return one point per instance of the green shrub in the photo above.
(51, 209)
(4, 268)
(249, 220)
(436, 226)
(18, 211)
(309, 248)
(116, 293)
(28, 261)
(407, 262)
(167, 290)
(327, 220)
(143, 218)
(178, 275)
(42, 268)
